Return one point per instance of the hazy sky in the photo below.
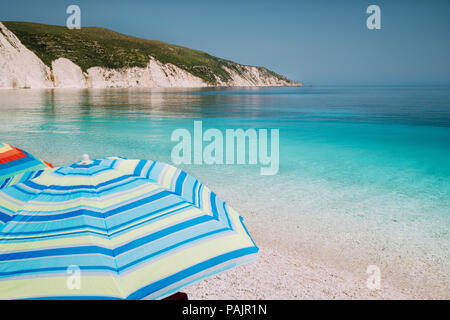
(316, 41)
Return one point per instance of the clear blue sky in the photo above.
(318, 42)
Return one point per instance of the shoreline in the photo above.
(299, 85)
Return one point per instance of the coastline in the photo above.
(225, 155)
(26, 66)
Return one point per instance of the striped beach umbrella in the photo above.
(17, 165)
(115, 229)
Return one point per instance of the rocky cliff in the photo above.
(41, 56)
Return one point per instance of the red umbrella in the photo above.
(17, 165)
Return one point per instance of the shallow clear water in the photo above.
(369, 161)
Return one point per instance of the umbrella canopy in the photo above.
(18, 166)
(115, 228)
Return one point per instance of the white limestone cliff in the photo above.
(250, 76)
(21, 68)
(154, 75)
(67, 74)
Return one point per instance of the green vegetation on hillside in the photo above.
(90, 47)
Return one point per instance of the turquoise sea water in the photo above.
(368, 161)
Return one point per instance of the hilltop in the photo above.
(93, 47)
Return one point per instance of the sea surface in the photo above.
(368, 166)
